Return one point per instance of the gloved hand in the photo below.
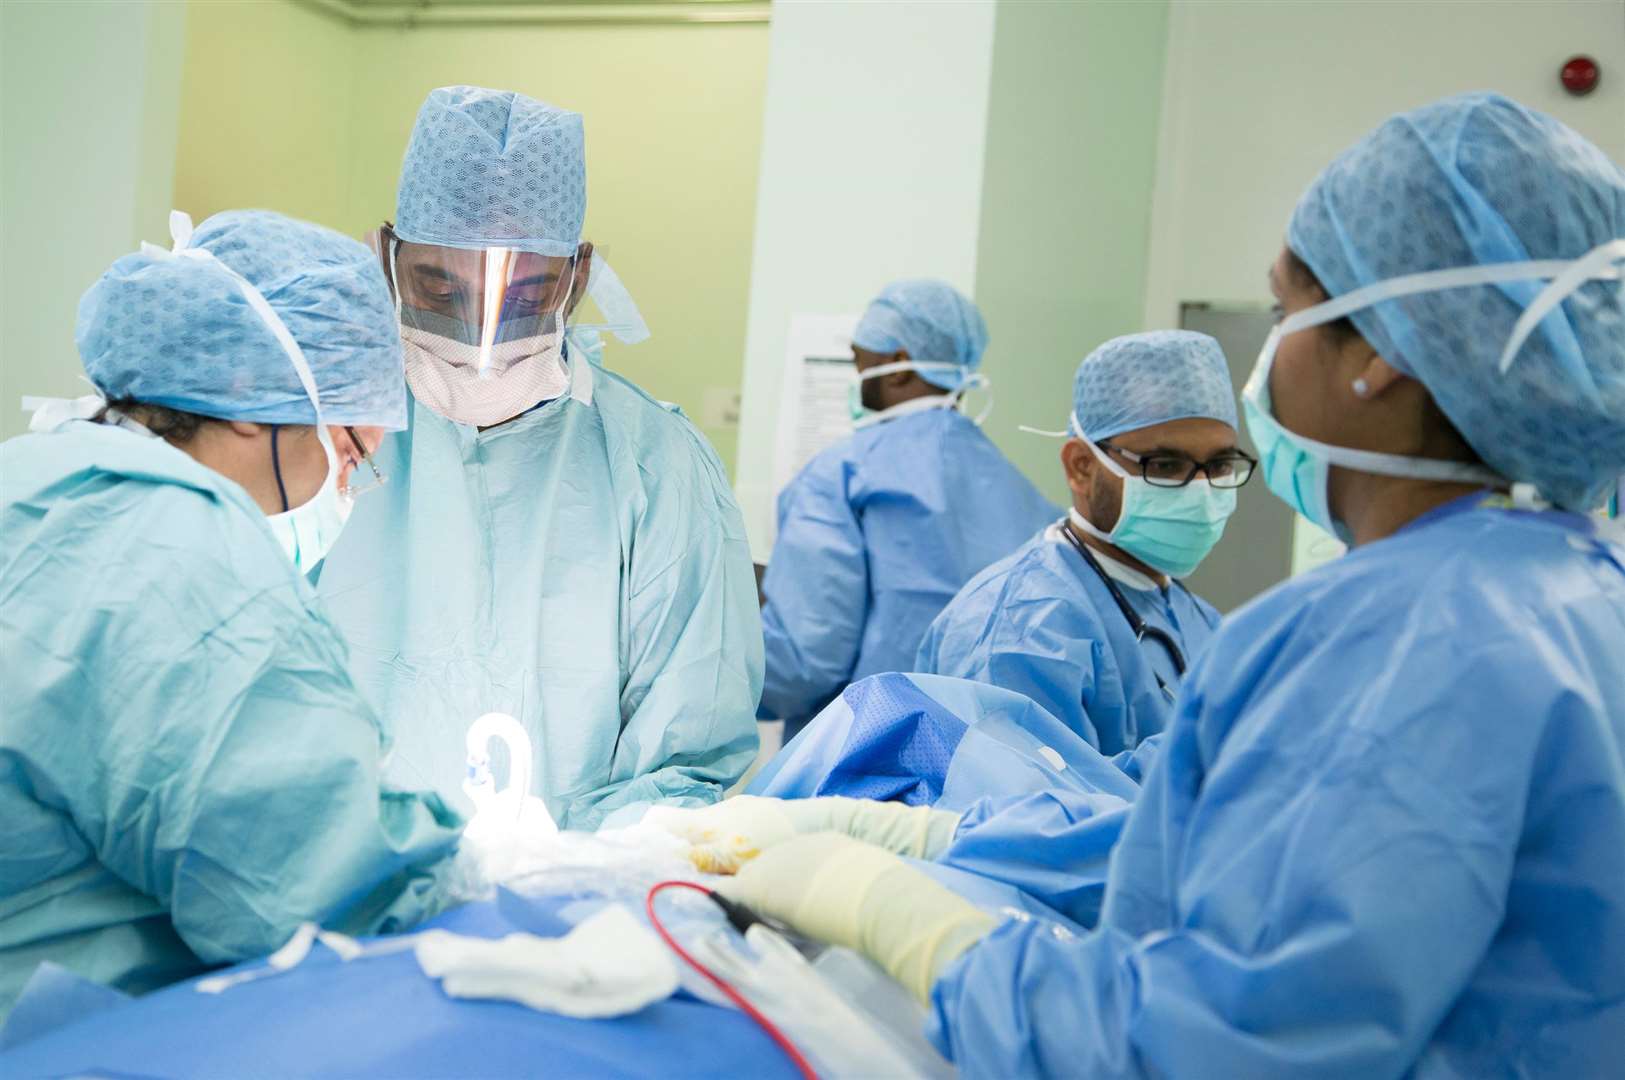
(845, 892)
(728, 834)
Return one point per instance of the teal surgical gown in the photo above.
(187, 771)
(1385, 836)
(875, 535)
(582, 568)
(1042, 623)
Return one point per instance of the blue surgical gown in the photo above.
(1042, 623)
(1385, 836)
(187, 771)
(582, 568)
(875, 535)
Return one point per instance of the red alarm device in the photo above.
(1579, 75)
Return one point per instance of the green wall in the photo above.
(1066, 204)
(88, 96)
(266, 112)
(313, 121)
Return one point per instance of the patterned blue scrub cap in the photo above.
(932, 322)
(492, 168)
(1472, 180)
(175, 329)
(1138, 380)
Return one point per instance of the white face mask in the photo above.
(446, 375)
(863, 417)
(307, 532)
(475, 373)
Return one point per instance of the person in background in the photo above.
(1386, 831)
(879, 531)
(553, 543)
(187, 771)
(1088, 618)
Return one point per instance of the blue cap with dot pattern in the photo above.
(1138, 380)
(932, 322)
(178, 332)
(1467, 181)
(492, 168)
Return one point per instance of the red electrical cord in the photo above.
(733, 995)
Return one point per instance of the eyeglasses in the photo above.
(1230, 469)
(359, 483)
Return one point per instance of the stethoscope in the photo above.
(1142, 630)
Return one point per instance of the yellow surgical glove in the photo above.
(730, 833)
(839, 890)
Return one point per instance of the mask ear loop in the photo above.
(975, 381)
(276, 467)
(180, 231)
(578, 368)
(1596, 265)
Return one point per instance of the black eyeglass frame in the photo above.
(1204, 467)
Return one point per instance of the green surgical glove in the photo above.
(728, 834)
(845, 892)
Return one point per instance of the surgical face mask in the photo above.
(307, 532)
(1298, 469)
(1169, 529)
(447, 375)
(864, 416)
(483, 331)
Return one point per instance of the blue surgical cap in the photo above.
(930, 321)
(1138, 380)
(491, 168)
(175, 330)
(1465, 181)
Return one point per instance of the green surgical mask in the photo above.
(854, 402)
(1168, 529)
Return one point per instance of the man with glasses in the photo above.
(1089, 618)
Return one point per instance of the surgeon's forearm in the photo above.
(1056, 846)
(694, 784)
(801, 676)
(845, 892)
(1028, 1001)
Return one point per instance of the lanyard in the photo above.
(1139, 626)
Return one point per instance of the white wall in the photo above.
(1259, 96)
(88, 98)
(872, 161)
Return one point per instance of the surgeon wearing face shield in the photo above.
(1385, 833)
(552, 543)
(192, 771)
(879, 531)
(1088, 618)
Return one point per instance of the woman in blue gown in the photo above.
(1385, 833)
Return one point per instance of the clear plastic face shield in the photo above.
(483, 328)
